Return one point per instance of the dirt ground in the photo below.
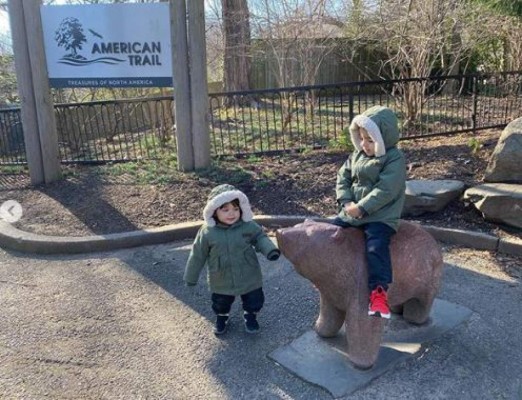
(117, 198)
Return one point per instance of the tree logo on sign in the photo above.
(70, 35)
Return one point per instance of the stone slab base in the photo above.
(323, 362)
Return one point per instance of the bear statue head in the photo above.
(318, 249)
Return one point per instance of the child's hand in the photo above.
(352, 210)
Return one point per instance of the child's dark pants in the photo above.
(252, 301)
(377, 237)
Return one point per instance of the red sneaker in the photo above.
(379, 303)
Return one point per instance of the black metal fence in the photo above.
(120, 130)
(12, 146)
(266, 121)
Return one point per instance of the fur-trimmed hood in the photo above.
(224, 194)
(381, 124)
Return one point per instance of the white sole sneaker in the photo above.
(379, 315)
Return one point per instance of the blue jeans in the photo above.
(252, 301)
(377, 237)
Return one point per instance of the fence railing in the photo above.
(266, 121)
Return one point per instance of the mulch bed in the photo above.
(92, 201)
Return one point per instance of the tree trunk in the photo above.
(452, 86)
(236, 32)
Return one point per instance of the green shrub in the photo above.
(343, 141)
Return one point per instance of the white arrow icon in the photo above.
(11, 211)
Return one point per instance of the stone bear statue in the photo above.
(334, 260)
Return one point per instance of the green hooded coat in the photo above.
(229, 251)
(376, 184)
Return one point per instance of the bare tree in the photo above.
(297, 37)
(419, 38)
(505, 35)
(236, 33)
(294, 35)
(512, 29)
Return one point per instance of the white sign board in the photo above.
(108, 45)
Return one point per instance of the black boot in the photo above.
(251, 325)
(221, 324)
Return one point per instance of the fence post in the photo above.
(350, 106)
(474, 85)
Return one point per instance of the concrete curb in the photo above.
(16, 239)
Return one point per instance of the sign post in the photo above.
(190, 84)
(37, 108)
(42, 93)
(198, 83)
(181, 76)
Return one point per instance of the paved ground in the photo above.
(121, 325)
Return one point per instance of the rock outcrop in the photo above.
(498, 202)
(430, 195)
(504, 164)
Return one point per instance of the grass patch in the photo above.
(160, 171)
(13, 169)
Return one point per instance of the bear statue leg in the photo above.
(363, 337)
(330, 319)
(417, 311)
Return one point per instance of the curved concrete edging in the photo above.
(16, 239)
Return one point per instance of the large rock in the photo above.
(334, 260)
(498, 202)
(430, 195)
(504, 164)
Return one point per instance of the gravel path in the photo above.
(121, 325)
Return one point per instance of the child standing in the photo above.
(370, 194)
(227, 242)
